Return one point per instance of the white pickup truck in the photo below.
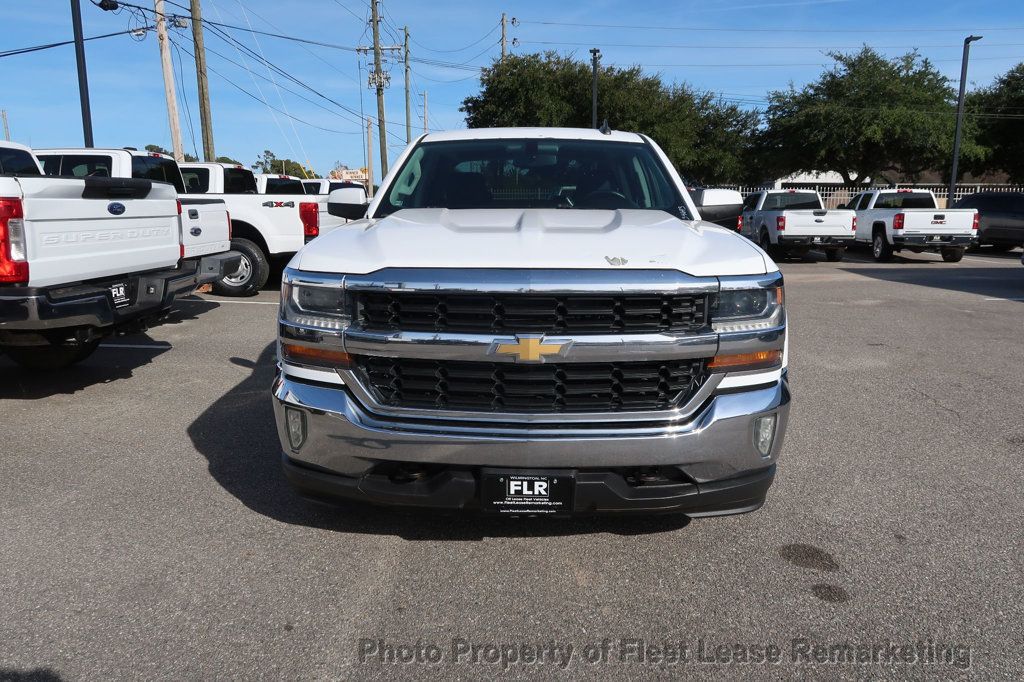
(264, 226)
(895, 219)
(532, 321)
(793, 221)
(85, 257)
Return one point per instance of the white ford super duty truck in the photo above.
(792, 221)
(82, 258)
(264, 226)
(532, 321)
(895, 219)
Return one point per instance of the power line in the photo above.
(755, 47)
(461, 49)
(249, 94)
(35, 48)
(772, 30)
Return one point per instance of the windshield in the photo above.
(532, 173)
(791, 200)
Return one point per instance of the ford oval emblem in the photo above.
(116, 208)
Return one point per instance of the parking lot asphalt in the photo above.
(148, 532)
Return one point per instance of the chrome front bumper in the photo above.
(344, 440)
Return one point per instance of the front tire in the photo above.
(880, 248)
(952, 255)
(765, 242)
(51, 357)
(834, 255)
(252, 274)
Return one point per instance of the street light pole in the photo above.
(83, 80)
(595, 55)
(959, 118)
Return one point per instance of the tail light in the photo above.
(739, 223)
(897, 221)
(854, 226)
(975, 221)
(181, 251)
(179, 206)
(780, 223)
(13, 255)
(309, 214)
(229, 225)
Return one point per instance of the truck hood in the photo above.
(533, 238)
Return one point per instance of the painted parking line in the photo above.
(218, 300)
(1008, 298)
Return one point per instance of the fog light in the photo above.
(296, 423)
(764, 434)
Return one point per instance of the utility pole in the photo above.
(205, 115)
(378, 75)
(7, 130)
(408, 105)
(424, 112)
(959, 118)
(83, 81)
(369, 157)
(504, 38)
(165, 60)
(595, 55)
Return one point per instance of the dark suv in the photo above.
(1001, 217)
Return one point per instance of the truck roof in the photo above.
(16, 145)
(210, 164)
(531, 133)
(279, 176)
(102, 150)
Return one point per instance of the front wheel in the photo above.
(880, 248)
(51, 357)
(765, 242)
(952, 255)
(253, 271)
(834, 255)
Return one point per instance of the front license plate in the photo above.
(120, 293)
(516, 491)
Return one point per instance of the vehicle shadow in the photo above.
(36, 675)
(995, 282)
(238, 437)
(115, 359)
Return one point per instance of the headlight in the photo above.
(319, 304)
(739, 310)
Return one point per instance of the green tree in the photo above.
(269, 163)
(228, 159)
(998, 111)
(157, 149)
(705, 138)
(868, 117)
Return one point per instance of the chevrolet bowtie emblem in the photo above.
(531, 348)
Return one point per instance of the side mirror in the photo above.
(348, 202)
(720, 206)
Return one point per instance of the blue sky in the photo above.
(41, 97)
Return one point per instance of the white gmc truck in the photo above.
(85, 257)
(895, 219)
(532, 321)
(264, 226)
(792, 221)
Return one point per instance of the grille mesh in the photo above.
(507, 387)
(523, 313)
